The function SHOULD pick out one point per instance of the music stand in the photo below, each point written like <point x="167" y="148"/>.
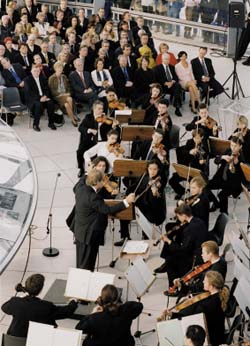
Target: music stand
<point x="141" y="279"/>
<point x="138" y="116"/>
<point x="128" y="116"/>
<point x="218" y="146"/>
<point x="126" y="214"/>
<point x="129" y="168"/>
<point x="135" y="132"/>
<point x="186" y="171"/>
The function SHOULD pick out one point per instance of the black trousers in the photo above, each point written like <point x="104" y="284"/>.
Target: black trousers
<point x="86" y="255"/>
<point x="87" y="98"/>
<point x="176" y="93"/>
<point x="37" y="109"/>
<point x="174" y="182"/>
<point x="216" y="87"/>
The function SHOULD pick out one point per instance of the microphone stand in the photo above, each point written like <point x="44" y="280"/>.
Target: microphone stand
<point x="51" y="251"/>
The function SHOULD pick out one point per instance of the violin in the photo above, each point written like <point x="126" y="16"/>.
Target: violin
<point x="191" y="200"/>
<point x="192" y="274"/>
<point x="231" y="164"/>
<point x="152" y="183"/>
<point x="172" y="230"/>
<point x="117" y="105"/>
<point x="110" y="186"/>
<point x="160" y="149"/>
<point x="210" y="123"/>
<point x="103" y="119"/>
<point x="116" y="149"/>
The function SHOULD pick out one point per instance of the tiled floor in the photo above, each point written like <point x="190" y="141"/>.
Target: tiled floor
<point x="54" y="152"/>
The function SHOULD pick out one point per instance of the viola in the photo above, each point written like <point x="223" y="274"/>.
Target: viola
<point x="116" y="148"/>
<point x="103" y="119"/>
<point x="117" y="105"/>
<point x="192" y="274"/>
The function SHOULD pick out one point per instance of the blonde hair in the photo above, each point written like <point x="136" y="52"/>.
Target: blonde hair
<point x="243" y="120"/>
<point x="58" y="64"/>
<point x="216" y="279"/>
<point x="199" y="181"/>
<point x="211" y="246"/>
<point x="94" y="177"/>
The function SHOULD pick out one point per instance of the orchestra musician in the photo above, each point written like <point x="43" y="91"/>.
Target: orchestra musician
<point x="91" y="218"/>
<point x="210" y="255"/>
<point x="111" y="149"/>
<point x="164" y="121"/>
<point x="195" y="335"/>
<point x="213" y="306"/>
<point x="193" y="154"/>
<point x="150" y="198"/>
<point x="31" y="308"/>
<point x="110" y="321"/>
<point x="244" y="133"/>
<point x="181" y="253"/>
<point x="228" y="177"/>
<point x="204" y="121"/>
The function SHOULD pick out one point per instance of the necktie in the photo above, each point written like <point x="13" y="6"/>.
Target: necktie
<point x="54" y="49"/>
<point x="125" y="72"/>
<point x="26" y="61"/>
<point x="46" y="58"/>
<point x="72" y="49"/>
<point x="168" y="74"/>
<point x="83" y="80"/>
<point x="14" y="74"/>
<point x="204" y="67"/>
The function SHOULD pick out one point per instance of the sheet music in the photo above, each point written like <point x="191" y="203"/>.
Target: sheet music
<point x="43" y="334"/>
<point x="135" y="247"/>
<point x="123" y="112"/>
<point x="143" y="222"/>
<point x="83" y="284"/>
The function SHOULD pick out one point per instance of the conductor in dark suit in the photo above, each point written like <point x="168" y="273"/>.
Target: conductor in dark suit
<point x="91" y="219"/>
<point x="13" y="75"/>
<point x="82" y="86"/>
<point x="31" y="308"/>
<point x="37" y="97"/>
<point x="165" y="75"/>
<point x="205" y="75"/>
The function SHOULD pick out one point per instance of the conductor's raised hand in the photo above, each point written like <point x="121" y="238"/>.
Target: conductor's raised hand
<point x="130" y="198"/>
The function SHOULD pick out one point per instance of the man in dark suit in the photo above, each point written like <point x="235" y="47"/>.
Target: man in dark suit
<point x="165" y="75"/>
<point x="82" y="85"/>
<point x="14" y="76"/>
<point x="48" y="59"/>
<point x="24" y="58"/>
<point x="48" y="16"/>
<point x="123" y="79"/>
<point x="140" y="26"/>
<point x="31" y="11"/>
<point x="204" y="74"/>
<point x="180" y="254"/>
<point x="37" y="96"/>
<point x="91" y="218"/>
<point x="33" y="48"/>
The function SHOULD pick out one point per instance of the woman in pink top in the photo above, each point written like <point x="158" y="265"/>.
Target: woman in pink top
<point x="186" y="79"/>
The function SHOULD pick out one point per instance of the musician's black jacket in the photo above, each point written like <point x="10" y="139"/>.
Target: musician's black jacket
<point x="34" y="309"/>
<point x="200" y="208"/>
<point x="215" y="317"/>
<point x="245" y="145"/>
<point x="207" y="132"/>
<point x="110" y="329"/>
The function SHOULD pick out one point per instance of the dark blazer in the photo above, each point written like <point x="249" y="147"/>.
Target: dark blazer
<point x="31" y="91"/>
<point x="245" y="145"/>
<point x="82" y="28"/>
<point x="76" y="83"/>
<point x="160" y="74"/>
<point x="9" y="79"/>
<point x="91" y="215"/>
<point x="200" y="208"/>
<point x="142" y="80"/>
<point x="11" y="55"/>
<point x="207" y="131"/>
<point x="34" y="309"/>
<point x="87" y="140"/>
<point x="20" y="60"/>
<point x="215" y="317"/>
<point x="198" y="70"/>
<point x="120" y="81"/>
<point x="110" y="329"/>
<point x="36" y="50"/>
<point x="51" y="57"/>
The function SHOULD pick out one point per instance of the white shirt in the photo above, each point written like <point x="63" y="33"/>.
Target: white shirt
<point x="100" y="149"/>
<point x="39" y="86"/>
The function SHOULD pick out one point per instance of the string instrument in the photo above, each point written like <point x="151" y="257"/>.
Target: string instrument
<point x="103" y="119"/>
<point x="191" y="199"/>
<point x="186" y="303"/>
<point x="174" y="229"/>
<point x="116" y="149"/>
<point x="210" y="123"/>
<point x="153" y="101"/>
<point x="110" y="186"/>
<point x="152" y="183"/>
<point x="231" y="164"/>
<point x="117" y="105"/>
<point x="200" y="152"/>
<point x="192" y="274"/>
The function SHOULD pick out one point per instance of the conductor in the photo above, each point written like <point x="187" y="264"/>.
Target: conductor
<point x="91" y="218"/>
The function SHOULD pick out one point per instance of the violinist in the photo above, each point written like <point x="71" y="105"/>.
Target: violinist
<point x="110" y="149"/>
<point x="204" y="121"/>
<point x="244" y="133"/>
<point x="184" y="251"/>
<point x="194" y="154"/>
<point x="228" y="177"/>
<point x="150" y="198"/>
<point x="210" y="255"/>
<point x="213" y="306"/>
<point x="195" y="335"/>
<point x="164" y="121"/>
<point x="111" y="102"/>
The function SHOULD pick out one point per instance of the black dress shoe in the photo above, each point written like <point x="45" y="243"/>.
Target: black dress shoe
<point x="246" y="62"/>
<point x="52" y="126"/>
<point x="120" y="242"/>
<point x="178" y="112"/>
<point x="36" y="128"/>
<point x="214" y="207"/>
<point x="161" y="269"/>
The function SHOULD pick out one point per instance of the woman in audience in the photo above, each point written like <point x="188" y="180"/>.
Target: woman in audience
<point x="143" y="78"/>
<point x="108" y="27"/>
<point x="19" y="34"/>
<point x="101" y="78"/>
<point x="59" y="87"/>
<point x="164" y="48"/>
<point x="31" y="308"/>
<point x="41" y="25"/>
<point x="110" y="322"/>
<point x="187" y="81"/>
